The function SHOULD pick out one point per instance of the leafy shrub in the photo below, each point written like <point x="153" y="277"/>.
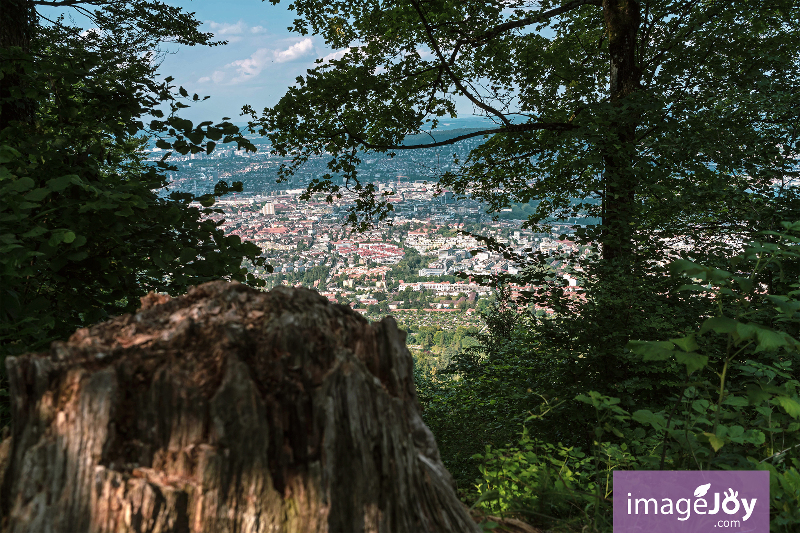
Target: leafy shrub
<point x="537" y="480"/>
<point x="738" y="406"/>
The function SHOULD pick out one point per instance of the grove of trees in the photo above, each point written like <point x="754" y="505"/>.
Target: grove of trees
<point x="86" y="224"/>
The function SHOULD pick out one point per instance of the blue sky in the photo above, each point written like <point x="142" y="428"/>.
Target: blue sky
<point x="261" y="60"/>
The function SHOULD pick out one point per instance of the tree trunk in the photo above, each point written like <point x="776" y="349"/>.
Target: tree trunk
<point x="622" y="20"/>
<point x="17" y="20"/>
<point x="225" y="410"/>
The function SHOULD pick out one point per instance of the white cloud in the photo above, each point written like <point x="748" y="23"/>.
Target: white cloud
<point x="224" y="28"/>
<point x="295" y="51"/>
<point x="335" y="55"/>
<point x="232" y="33"/>
<point x="251" y="67"/>
<point x="217" y="77"/>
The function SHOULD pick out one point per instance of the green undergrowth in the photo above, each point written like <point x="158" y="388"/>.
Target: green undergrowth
<point x="732" y="403"/>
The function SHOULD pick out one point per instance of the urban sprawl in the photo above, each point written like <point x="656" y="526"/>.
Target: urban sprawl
<point x="420" y="267"/>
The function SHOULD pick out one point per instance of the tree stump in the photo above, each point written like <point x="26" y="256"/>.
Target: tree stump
<point x="225" y="410"/>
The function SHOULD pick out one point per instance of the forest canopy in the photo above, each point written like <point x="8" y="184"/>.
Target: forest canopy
<point x="674" y="124"/>
<point x="666" y="118"/>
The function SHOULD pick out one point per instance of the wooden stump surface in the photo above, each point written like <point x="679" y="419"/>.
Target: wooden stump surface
<point x="225" y="410"/>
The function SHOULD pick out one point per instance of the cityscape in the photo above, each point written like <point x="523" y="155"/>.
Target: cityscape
<point x="420" y="266"/>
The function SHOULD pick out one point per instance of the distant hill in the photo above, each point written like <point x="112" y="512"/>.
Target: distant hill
<point x="447" y="129"/>
<point x="440" y="135"/>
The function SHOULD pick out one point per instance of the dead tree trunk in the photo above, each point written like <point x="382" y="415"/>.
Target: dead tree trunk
<point x="225" y="410"/>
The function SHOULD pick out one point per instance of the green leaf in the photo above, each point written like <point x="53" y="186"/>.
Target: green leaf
<point x="181" y="123"/>
<point x="754" y="436"/>
<point x="735" y="432"/>
<point x="736" y="401"/>
<point x="22" y="184"/>
<point x="35" y="232"/>
<point x="60" y="183"/>
<point x="757" y="395"/>
<point x="8" y="154"/>
<point x="693" y="361"/>
<point x="769" y="340"/>
<point x="719" y="324"/>
<point x="786" y="305"/>
<point x="59" y="236"/>
<point x="687" y="344"/>
<point x="789" y="405"/>
<point x="9" y="247"/>
<point x="745" y="284"/>
<point x="214" y="134"/>
<point x="586" y="399"/>
<point x="487" y="496"/>
<point x="694" y="270"/>
<point x="187" y="255"/>
<point x="715" y="441"/>
<point x="195" y="136"/>
<point x="181" y="147"/>
<point x="647" y="417"/>
<point x="37" y="195"/>
<point x="652" y="350"/>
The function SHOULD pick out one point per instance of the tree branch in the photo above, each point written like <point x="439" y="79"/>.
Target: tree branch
<point x="70" y="3"/>
<point x="446" y="65"/>
<point x="511" y="128"/>
<point x="541" y="17"/>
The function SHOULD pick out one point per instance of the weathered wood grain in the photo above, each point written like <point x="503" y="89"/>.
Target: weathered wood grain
<point x="225" y="410"/>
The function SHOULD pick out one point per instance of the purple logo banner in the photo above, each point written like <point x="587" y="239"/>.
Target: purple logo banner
<point x="735" y="501"/>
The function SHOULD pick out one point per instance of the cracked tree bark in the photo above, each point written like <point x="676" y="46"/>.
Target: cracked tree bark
<point x="225" y="410"/>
